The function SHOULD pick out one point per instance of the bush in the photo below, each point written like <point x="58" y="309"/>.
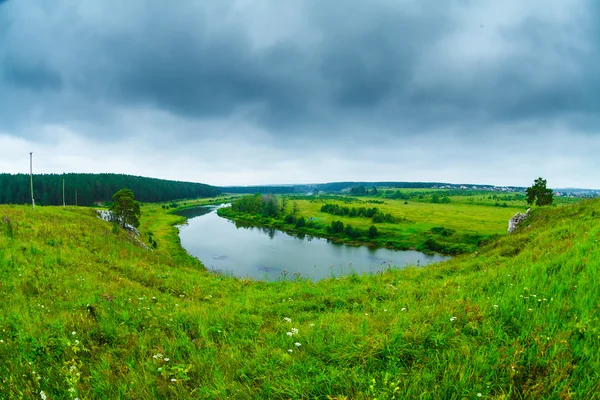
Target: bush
<point x="300" y="222"/>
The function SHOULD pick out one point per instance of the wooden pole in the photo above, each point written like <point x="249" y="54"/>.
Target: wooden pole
<point x="31" y="178"/>
<point x="63" y="192"/>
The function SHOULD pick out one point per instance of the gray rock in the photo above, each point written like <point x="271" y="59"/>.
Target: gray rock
<point x="107" y="216"/>
<point x="514" y="222"/>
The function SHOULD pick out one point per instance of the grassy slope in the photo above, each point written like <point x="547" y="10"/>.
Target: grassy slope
<point x="88" y="310"/>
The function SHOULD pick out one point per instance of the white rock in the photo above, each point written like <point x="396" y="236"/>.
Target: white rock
<point x="516" y="220"/>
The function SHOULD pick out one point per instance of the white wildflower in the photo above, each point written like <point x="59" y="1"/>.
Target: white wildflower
<point x="173" y="380"/>
<point x="286" y="319"/>
<point x="290" y="351"/>
<point x="43" y="395"/>
<point x="452" y="319"/>
<point x="166" y="359"/>
<point x="297" y="344"/>
<point x="73" y="333"/>
<point x="403" y="309"/>
<point x="289" y="333"/>
<point x="294" y="331"/>
<point x="495" y="305"/>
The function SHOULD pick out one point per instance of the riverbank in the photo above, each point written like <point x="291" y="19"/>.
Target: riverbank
<point x="248" y="251"/>
<point x="88" y="313"/>
<point x="436" y="240"/>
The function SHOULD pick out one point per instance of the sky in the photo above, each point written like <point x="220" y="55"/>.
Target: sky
<point x="245" y="92"/>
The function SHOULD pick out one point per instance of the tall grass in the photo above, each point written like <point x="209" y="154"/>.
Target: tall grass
<point x="87" y="313"/>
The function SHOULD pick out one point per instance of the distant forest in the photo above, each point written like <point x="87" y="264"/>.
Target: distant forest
<point x="90" y="188"/>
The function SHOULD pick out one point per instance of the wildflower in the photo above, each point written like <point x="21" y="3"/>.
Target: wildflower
<point x="73" y="333"/>
<point x="173" y="380"/>
<point x="385" y="310"/>
<point x="290" y="351"/>
<point x="1" y="341"/>
<point x="366" y="314"/>
<point x="312" y="324"/>
<point x="286" y="319"/>
<point x="43" y="395"/>
<point x="297" y="344"/>
<point x="452" y="319"/>
<point x="495" y="305"/>
<point x="294" y="331"/>
<point x="403" y="309"/>
<point x="479" y="395"/>
<point x="289" y="333"/>
<point x="166" y="359"/>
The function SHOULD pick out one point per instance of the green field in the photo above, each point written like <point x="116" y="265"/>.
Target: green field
<point x="88" y="313"/>
<point x="465" y="222"/>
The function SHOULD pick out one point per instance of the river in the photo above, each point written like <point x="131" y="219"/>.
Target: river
<point x="269" y="254"/>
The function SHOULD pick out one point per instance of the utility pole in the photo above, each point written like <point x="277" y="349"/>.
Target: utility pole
<point x="31" y="178"/>
<point x="63" y="192"/>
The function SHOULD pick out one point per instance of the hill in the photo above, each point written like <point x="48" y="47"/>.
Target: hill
<point x="88" y="313"/>
<point x="86" y="189"/>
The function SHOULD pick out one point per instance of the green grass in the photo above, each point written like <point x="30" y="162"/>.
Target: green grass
<point x="88" y="310"/>
<point x="472" y="222"/>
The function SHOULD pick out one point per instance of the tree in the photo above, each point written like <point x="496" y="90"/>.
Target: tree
<point x="373" y="232"/>
<point x="125" y="209"/>
<point x="539" y="194"/>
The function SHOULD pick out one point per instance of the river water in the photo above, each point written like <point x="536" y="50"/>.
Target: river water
<point x="264" y="253"/>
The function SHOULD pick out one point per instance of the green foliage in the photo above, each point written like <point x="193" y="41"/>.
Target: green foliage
<point x="88" y="315"/>
<point x="336" y="227"/>
<point x="257" y="204"/>
<point x="91" y="188"/>
<point x="125" y="209"/>
<point x="7" y="226"/>
<point x="539" y="194"/>
<point x="373" y="233"/>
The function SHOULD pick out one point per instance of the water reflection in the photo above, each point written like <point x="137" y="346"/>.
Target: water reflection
<point x="246" y="250"/>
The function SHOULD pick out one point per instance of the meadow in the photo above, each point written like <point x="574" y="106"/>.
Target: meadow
<point x="459" y="226"/>
<point x="88" y="313"/>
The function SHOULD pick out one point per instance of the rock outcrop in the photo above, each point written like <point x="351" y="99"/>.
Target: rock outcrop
<point x="516" y="220"/>
<point x="109" y="217"/>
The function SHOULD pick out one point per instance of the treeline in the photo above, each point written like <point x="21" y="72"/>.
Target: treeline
<point x="259" y="189"/>
<point x="374" y="213"/>
<point x="86" y="189"/>
<point x="262" y="204"/>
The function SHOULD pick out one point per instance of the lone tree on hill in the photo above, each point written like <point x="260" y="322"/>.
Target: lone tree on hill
<point x="125" y="209"/>
<point x="539" y="194"/>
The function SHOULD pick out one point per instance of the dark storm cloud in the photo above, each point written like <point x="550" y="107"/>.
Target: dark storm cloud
<point x="380" y="65"/>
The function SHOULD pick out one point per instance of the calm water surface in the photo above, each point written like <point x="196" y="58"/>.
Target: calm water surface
<point x="265" y="253"/>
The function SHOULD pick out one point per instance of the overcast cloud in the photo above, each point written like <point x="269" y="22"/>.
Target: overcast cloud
<point x="297" y="91"/>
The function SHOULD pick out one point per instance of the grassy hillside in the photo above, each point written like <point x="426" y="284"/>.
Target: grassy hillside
<point x="88" y="313"/>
